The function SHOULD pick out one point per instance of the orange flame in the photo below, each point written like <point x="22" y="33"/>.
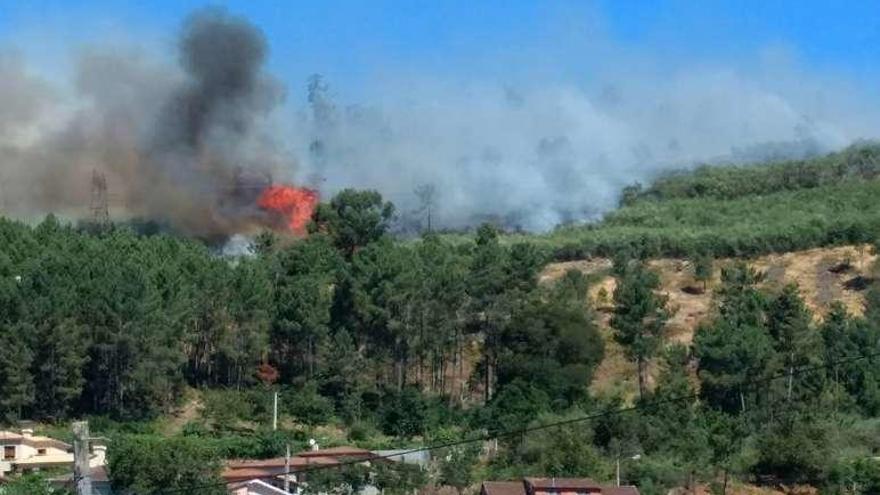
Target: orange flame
<point x="294" y="204"/>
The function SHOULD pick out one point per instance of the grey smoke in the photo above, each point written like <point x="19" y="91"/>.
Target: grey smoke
<point x="184" y="146"/>
<point x="189" y="141"/>
<point x="539" y="156"/>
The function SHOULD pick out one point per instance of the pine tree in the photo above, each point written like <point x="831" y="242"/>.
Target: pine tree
<point x="703" y="269"/>
<point x="735" y="349"/>
<point x="639" y="317"/>
<point x="488" y="305"/>
<point x="845" y="337"/>
<point x="16" y="380"/>
<point x="304" y="276"/>
<point x="343" y="379"/>
<point x="59" y="361"/>
<point x="795" y="341"/>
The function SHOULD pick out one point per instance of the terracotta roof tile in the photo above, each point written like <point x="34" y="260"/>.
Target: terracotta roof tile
<point x="250" y="473"/>
<point x="337" y="452"/>
<point x="581" y="485"/>
<point x="620" y="490"/>
<point x="295" y="461"/>
<point x="504" y="488"/>
<point x="585" y="484"/>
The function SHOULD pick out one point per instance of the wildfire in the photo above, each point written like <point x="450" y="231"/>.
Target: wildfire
<point x="294" y="204"/>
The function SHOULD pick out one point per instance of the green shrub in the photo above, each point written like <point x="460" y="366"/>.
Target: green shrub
<point x="403" y="414"/>
<point x="306" y="405"/>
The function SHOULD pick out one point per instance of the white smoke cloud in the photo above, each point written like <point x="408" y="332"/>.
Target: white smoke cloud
<point x="554" y="153"/>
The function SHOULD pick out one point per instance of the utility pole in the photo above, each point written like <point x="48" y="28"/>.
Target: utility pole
<point x="617" y="464"/>
<point x="275" y="412"/>
<point x="82" y="476"/>
<point x="617" y="470"/>
<point x="287" y="469"/>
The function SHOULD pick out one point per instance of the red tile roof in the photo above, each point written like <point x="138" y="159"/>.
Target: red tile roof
<point x="583" y="484"/>
<point x="530" y="485"/>
<point x="337" y="452"/>
<point x="503" y="488"/>
<point x="620" y="490"/>
<point x="246" y="469"/>
<point x="244" y="474"/>
<point x="278" y="462"/>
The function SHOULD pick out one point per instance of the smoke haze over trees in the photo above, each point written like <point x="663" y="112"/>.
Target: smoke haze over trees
<point x="185" y="136"/>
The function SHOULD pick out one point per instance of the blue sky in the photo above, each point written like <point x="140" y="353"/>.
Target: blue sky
<point x="349" y="40"/>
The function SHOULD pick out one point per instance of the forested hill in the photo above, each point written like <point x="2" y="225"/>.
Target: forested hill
<point x="384" y="343"/>
<point x="859" y="161"/>
<point x="737" y="210"/>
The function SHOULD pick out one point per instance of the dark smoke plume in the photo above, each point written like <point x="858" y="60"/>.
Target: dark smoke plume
<point x="184" y="148"/>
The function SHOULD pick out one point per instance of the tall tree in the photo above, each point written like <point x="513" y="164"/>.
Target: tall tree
<point x="59" y="362"/>
<point x="16" y="379"/>
<point x="304" y="276"/>
<point x="735" y="349"/>
<point x="672" y="421"/>
<point x="344" y="377"/>
<point x="353" y="219"/>
<point x="385" y="277"/>
<point x="639" y="318"/>
<point x="846" y="338"/>
<point x="795" y="341"/>
<point x="488" y="305"/>
<point x="440" y="299"/>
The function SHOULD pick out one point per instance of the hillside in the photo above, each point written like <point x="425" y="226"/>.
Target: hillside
<point x="384" y="343"/>
<point x="803" y="222"/>
<point x="823" y="276"/>
<point x="742" y="210"/>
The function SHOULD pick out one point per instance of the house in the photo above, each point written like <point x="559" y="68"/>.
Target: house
<point x="255" y="487"/>
<point x="554" y="486"/>
<point x="27" y="452"/>
<point x="268" y="469"/>
<point x="271" y="471"/>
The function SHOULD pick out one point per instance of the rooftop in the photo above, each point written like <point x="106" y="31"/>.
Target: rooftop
<point x="27" y="438"/>
<point x="584" y="484"/>
<point x="246" y="469"/>
<point x="530" y="485"/>
<point x="337" y="452"/>
<point x="504" y="488"/>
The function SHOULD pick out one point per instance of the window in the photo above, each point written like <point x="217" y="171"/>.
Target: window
<point x="41" y="451"/>
<point x="9" y="452"/>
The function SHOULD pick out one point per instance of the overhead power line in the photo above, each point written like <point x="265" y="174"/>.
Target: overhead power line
<point x="544" y="426"/>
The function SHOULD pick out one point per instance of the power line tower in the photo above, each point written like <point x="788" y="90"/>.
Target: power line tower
<point x="99" y="206"/>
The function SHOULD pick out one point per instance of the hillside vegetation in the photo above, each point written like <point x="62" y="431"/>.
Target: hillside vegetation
<point x="824" y="277"/>
<point x="730" y="211"/>
<point x="760" y="371"/>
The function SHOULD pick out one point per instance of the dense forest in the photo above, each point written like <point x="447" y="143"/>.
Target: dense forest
<point x="406" y="343"/>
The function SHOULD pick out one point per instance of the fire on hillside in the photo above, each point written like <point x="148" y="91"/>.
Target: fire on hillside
<point x="290" y="206"/>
